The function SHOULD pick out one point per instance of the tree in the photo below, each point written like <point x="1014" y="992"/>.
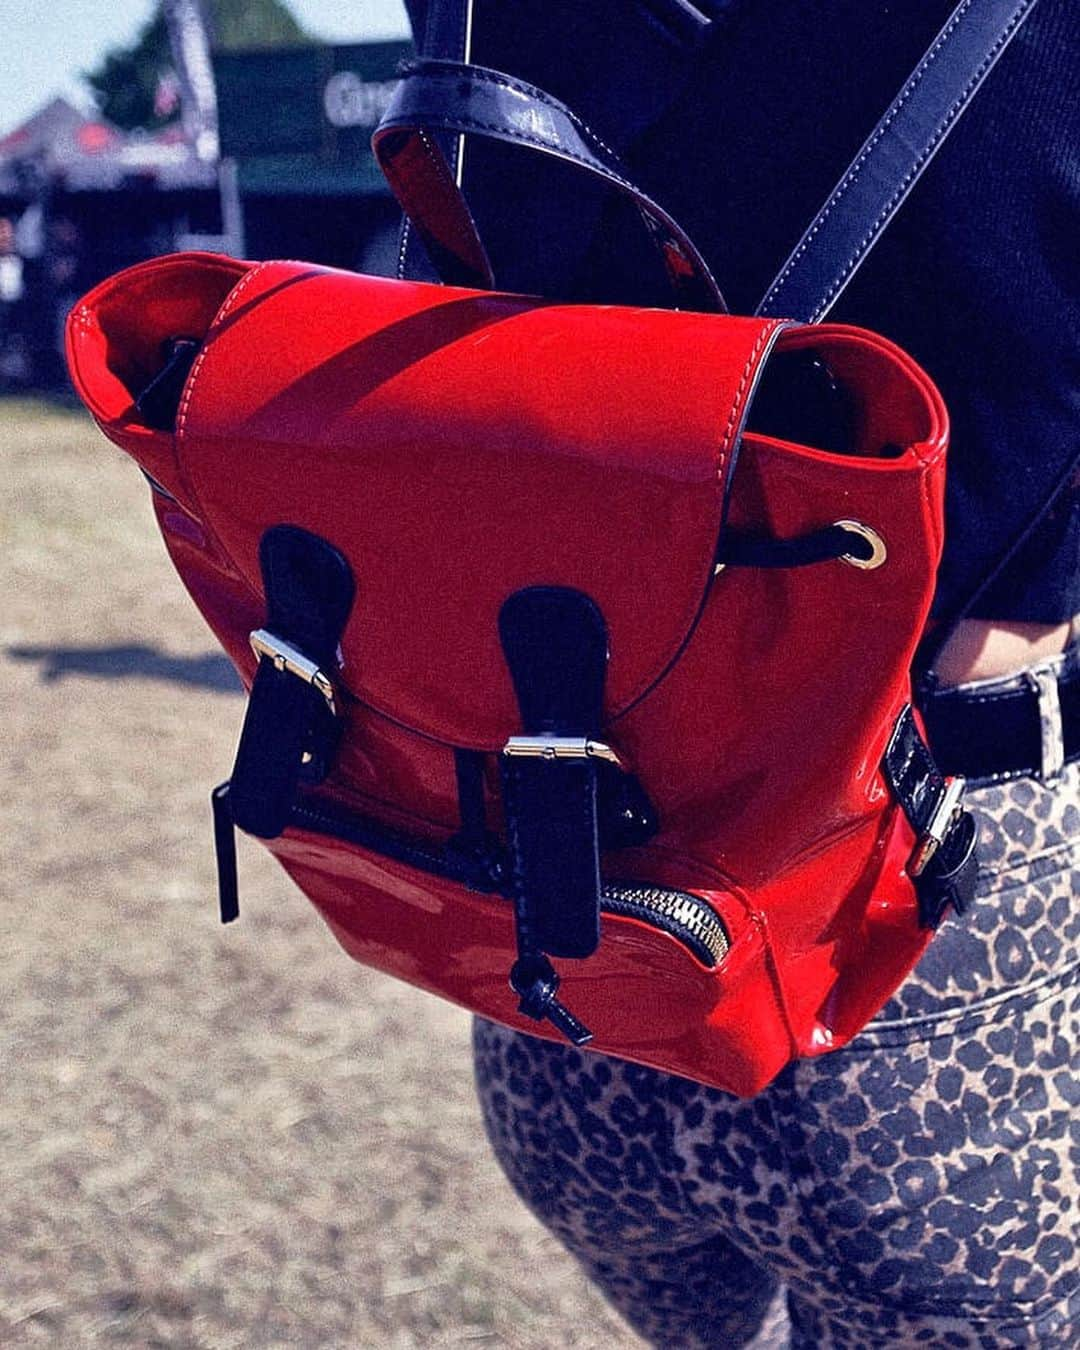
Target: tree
<point x="255" y="23"/>
<point x="133" y="86"/>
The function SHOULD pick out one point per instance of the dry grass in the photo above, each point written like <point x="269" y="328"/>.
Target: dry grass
<point x="208" y="1137"/>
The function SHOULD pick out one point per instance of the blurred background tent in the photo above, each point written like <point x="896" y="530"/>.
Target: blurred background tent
<point x="138" y="87"/>
<point x="223" y="124"/>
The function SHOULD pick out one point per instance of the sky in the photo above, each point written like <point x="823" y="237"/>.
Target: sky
<point x="46" y="43"/>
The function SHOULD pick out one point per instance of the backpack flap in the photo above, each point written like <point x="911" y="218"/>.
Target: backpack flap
<point x="460" y="447"/>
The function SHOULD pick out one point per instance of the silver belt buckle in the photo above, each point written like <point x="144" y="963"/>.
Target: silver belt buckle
<point x="938" y="826"/>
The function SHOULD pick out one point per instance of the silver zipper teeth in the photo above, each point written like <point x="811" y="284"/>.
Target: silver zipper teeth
<point x="679" y="908"/>
<point x="688" y="911"/>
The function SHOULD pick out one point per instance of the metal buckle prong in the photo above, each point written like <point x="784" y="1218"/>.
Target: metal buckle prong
<point x="284" y="656"/>
<point x="560" y="747"/>
<point x="933" y="836"/>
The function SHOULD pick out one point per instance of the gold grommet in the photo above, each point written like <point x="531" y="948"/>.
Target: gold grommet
<point x="878" y="552"/>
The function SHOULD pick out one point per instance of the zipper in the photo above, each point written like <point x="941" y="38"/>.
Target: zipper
<point x="680" y="914"/>
<point x="685" y="916"/>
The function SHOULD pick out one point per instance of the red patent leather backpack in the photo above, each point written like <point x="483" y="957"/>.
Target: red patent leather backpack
<point x="578" y="646"/>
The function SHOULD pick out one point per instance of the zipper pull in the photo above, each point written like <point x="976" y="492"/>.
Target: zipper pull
<point x="534" y="980"/>
<point x="225" y="853"/>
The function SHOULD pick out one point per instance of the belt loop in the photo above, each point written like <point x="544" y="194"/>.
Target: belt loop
<point x="1043" y="680"/>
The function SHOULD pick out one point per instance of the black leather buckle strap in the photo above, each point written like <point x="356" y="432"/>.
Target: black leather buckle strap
<point x="995" y="730"/>
<point x="555" y="643"/>
<point x="290" y="729"/>
<point x="291" y="726"/>
<point x="943" y="866"/>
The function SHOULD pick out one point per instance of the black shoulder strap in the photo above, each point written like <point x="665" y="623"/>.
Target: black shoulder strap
<point x="440" y="96"/>
<point x="888" y="166"/>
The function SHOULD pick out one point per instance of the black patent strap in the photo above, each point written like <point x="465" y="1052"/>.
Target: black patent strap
<point x="450" y="96"/>
<point x="881" y="175"/>
<point x="447" y="36"/>
<point x="225" y="854"/>
<point x="949" y="877"/>
<point x="448" y="30"/>
<point x="290" y="731"/>
<point x="555" y="642"/>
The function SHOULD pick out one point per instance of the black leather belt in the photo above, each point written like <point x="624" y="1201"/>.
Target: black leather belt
<point x="1019" y="727"/>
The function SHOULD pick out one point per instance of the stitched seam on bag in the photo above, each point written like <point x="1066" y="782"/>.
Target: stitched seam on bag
<point x="642" y="202"/>
<point x="406" y="230"/>
<point x="523" y="926"/>
<point x="403" y="247"/>
<point x="591" y="139"/>
<point x="525" y="139"/>
<point x="463" y="27"/>
<point x="546" y="145"/>
<point x="204" y="520"/>
<point x="935" y="514"/>
<point x="493" y="77"/>
<point x="856" y="169"/>
<point x="529" y="91"/>
<point x="443" y="171"/>
<point x="645" y="205"/>
<point x="736" y="403"/>
<point x="234" y="295"/>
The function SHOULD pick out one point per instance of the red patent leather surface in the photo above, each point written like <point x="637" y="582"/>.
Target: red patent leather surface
<point x="457" y="446"/>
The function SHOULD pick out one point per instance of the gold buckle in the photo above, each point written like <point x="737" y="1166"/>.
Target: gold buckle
<point x="932" y="838"/>
<point x="560" y="747"/>
<point x="284" y="656"/>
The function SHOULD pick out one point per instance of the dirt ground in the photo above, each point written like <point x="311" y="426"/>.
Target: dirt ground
<point x="208" y="1137"/>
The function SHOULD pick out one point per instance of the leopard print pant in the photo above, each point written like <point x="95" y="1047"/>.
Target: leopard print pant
<point x="920" y="1187"/>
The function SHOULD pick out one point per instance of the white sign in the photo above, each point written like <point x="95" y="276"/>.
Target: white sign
<point x="349" y="101"/>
